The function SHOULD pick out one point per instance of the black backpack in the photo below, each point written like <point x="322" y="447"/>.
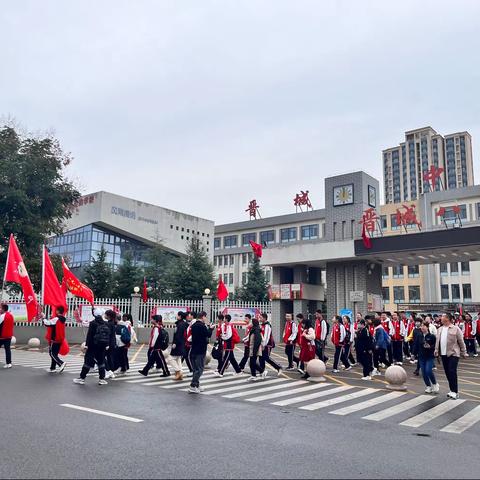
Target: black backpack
<point x="102" y="335"/>
<point x="164" y="339"/>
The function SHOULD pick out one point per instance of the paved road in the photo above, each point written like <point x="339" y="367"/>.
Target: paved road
<point x="222" y="434"/>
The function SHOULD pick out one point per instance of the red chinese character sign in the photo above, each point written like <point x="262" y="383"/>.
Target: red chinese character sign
<point x="301" y="200"/>
<point x="370" y="220"/>
<point x="432" y="175"/>
<point x="450" y="215"/>
<point x="407" y="217"/>
<point x="253" y="209"/>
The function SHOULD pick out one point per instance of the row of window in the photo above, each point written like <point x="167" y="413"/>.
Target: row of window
<point x="398" y="271"/>
<point x="454" y="270"/>
<point x="226" y="260"/>
<point x="451" y="293"/>
<point x="399" y="294"/>
<point x="307" y="232"/>
<point x="183" y="229"/>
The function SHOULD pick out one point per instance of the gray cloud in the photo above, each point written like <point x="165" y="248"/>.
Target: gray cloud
<point x="201" y="106"/>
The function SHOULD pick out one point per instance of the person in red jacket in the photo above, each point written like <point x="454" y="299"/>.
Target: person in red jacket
<point x="289" y="339"/>
<point x="230" y="338"/>
<point x="398" y="337"/>
<point x="55" y="337"/>
<point x="6" y="333"/>
<point x="338" y="338"/>
<point x="469" y="333"/>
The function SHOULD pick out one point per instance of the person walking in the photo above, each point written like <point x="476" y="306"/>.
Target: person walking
<point x="230" y="338"/>
<point x="96" y="344"/>
<point x="267" y="345"/>
<point x="397" y="339"/>
<point x="201" y="334"/>
<point x="348" y="342"/>
<point x="416" y="337"/>
<point x="450" y="346"/>
<point x="469" y="333"/>
<point x="178" y="351"/>
<point x="337" y="338"/>
<point x="55" y="336"/>
<point x="307" y="344"/>
<point x="128" y="319"/>
<point x="218" y="340"/>
<point x="110" y="359"/>
<point x="426" y="359"/>
<point x="255" y="350"/>
<point x="246" y="344"/>
<point x="386" y="318"/>
<point x="382" y="340"/>
<point x="190" y="319"/>
<point x="158" y="343"/>
<point x="364" y="349"/>
<point x="289" y="339"/>
<point x="6" y="333"/>
<point x="321" y="332"/>
<point x="123" y="337"/>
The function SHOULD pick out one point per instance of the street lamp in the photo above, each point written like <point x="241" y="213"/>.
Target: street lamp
<point x="136" y="289"/>
<point x="207" y="291"/>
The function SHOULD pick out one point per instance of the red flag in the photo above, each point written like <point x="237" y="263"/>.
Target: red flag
<point x="367" y="241"/>
<point x="257" y="248"/>
<point x="53" y="294"/>
<point x="72" y="284"/>
<point x="222" y="292"/>
<point x="15" y="271"/>
<point x="145" y="291"/>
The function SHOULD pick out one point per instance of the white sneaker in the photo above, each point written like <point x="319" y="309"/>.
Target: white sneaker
<point x="428" y="390"/>
<point x="376" y="373"/>
<point x="264" y="374"/>
<point x="435" y="388"/>
<point x="109" y="374"/>
<point x="79" y="381"/>
<point x="279" y="373"/>
<point x="189" y="374"/>
<point x="368" y="377"/>
<point x="50" y="371"/>
<point x="252" y="379"/>
<point x="399" y="363"/>
<point x="335" y="371"/>
<point x="348" y="368"/>
<point x="102" y="382"/>
<point x="475" y="354"/>
<point x="237" y="374"/>
<point x="299" y="370"/>
<point x="453" y="395"/>
<point x="193" y="390"/>
<point x="215" y="374"/>
<point x="290" y="369"/>
<point x="62" y="368"/>
<point x="353" y="365"/>
<point x="8" y="365"/>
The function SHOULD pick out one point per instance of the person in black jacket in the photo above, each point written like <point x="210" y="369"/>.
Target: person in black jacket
<point x="255" y="350"/>
<point x="426" y="358"/>
<point x="110" y="354"/>
<point x="201" y="334"/>
<point x="364" y="349"/>
<point x="96" y="344"/>
<point x="417" y="343"/>
<point x="178" y="346"/>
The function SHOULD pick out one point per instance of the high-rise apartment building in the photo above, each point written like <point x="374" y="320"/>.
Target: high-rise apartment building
<point x="404" y="166"/>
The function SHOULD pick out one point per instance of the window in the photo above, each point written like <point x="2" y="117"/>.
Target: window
<point x="309" y="232"/>
<point x="465" y="268"/>
<point x="230" y="241"/>
<point x="383" y="222"/>
<point x="216" y="243"/>
<point x="214" y="261"/>
<point x="413" y="271"/>
<point x="444" y="293"/>
<point x="250" y="257"/>
<point x="398" y="271"/>
<point x="225" y="278"/>
<point x="288" y="234"/>
<point x="414" y="294"/>
<point x="454" y="268"/>
<point x="267" y="237"/>
<point x="467" y="292"/>
<point x="386" y="294"/>
<point x="232" y="259"/>
<point x="451" y="215"/>
<point x="334" y="231"/>
<point x="268" y="276"/>
<point x="225" y="260"/>
<point x="220" y="261"/>
<point x="393" y="221"/>
<point x="244" y="258"/>
<point x="444" y="269"/>
<point x="343" y="230"/>
<point x="246" y="237"/>
<point x="230" y="279"/>
<point x="244" y="278"/>
<point x="385" y="272"/>
<point x="455" y="292"/>
<point x="399" y="294"/>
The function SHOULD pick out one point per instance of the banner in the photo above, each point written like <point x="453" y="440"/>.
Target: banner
<point x="83" y="313"/>
<point x="169" y="313"/>
<point x="238" y="314"/>
<point x="274" y="292"/>
<point x="19" y="311"/>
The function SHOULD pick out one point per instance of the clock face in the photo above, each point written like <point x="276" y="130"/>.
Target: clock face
<point x="343" y="195"/>
<point x="372" y="196"/>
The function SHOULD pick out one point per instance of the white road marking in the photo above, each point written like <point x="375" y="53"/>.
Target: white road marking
<point x="368" y="403"/>
<point x="341" y="399"/>
<point x="401" y="407"/>
<point x="264" y="389"/>
<point x="212" y="379"/>
<point x="463" y="423"/>
<point x="431" y="413"/>
<point x="269" y="396"/>
<point x="241" y="387"/>
<point x="224" y="383"/>
<point x="311" y="396"/>
<point x="100" y="412"/>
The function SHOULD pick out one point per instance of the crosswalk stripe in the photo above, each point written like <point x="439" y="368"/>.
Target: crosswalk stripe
<point x="464" y="422"/>
<point x="234" y="382"/>
<point x="176" y="383"/>
<point x="401" y="407"/>
<point x="341" y="399"/>
<point x="211" y="380"/>
<point x="368" y="403"/>
<point x="431" y="413"/>
<point x="241" y="387"/>
<point x="285" y="393"/>
<point x="311" y="396"/>
<point x="264" y="389"/>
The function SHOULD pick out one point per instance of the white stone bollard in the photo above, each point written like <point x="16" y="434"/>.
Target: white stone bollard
<point x="34" y="344"/>
<point x="396" y="376"/>
<point x="208" y="358"/>
<point x="83" y="347"/>
<point x="13" y="342"/>
<point x="316" y="369"/>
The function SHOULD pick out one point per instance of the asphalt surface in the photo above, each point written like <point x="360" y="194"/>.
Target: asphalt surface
<point x="195" y="436"/>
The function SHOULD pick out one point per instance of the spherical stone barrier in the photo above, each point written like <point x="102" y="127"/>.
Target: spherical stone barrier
<point x="208" y="358"/>
<point x="316" y="369"/>
<point x="396" y="376"/>
<point x="33" y="343"/>
<point x="13" y="342"/>
<point x="83" y="347"/>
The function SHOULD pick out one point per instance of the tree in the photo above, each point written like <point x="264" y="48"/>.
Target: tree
<point x="192" y="274"/>
<point x="256" y="288"/>
<point x="99" y="275"/>
<point x="35" y="196"/>
<point x="127" y="276"/>
<point x="157" y="271"/>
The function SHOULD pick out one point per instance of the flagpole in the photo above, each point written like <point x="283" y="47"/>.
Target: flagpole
<point x="5" y="272"/>
<point x="43" y="275"/>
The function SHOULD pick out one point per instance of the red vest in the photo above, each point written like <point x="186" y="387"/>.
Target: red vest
<point x="318" y="329"/>
<point x="247" y="335"/>
<point x="299" y="333"/>
<point x="467" y="331"/>
<point x="396" y="336"/>
<point x="287" y="331"/>
<point x="371" y="330"/>
<point x="6" y="328"/>
<point x="59" y="329"/>
<point x="386" y="326"/>
<point x="336" y="334"/>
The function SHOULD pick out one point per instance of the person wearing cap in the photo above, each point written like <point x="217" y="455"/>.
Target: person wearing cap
<point x="96" y="344"/>
<point x="155" y="353"/>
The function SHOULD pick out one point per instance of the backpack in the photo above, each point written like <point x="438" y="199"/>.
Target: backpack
<point x="216" y="351"/>
<point x="164" y="339"/>
<point x="348" y="336"/>
<point x="125" y="335"/>
<point x="102" y="335"/>
<point x="235" y="336"/>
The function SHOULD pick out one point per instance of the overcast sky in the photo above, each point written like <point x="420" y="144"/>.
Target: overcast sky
<point x="202" y="105"/>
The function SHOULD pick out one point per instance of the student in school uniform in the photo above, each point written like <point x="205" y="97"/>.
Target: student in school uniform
<point x="397" y="339"/>
<point x="469" y="333"/>
<point x="267" y="345"/>
<point x="155" y="353"/>
<point x="6" y="333"/>
<point x="307" y="344"/>
<point x="230" y="338"/>
<point x="338" y="338"/>
<point x="255" y="350"/>
<point x="364" y="349"/>
<point x="290" y="339"/>
<point x="246" y="342"/>
<point x="55" y="336"/>
<point x="321" y="332"/>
